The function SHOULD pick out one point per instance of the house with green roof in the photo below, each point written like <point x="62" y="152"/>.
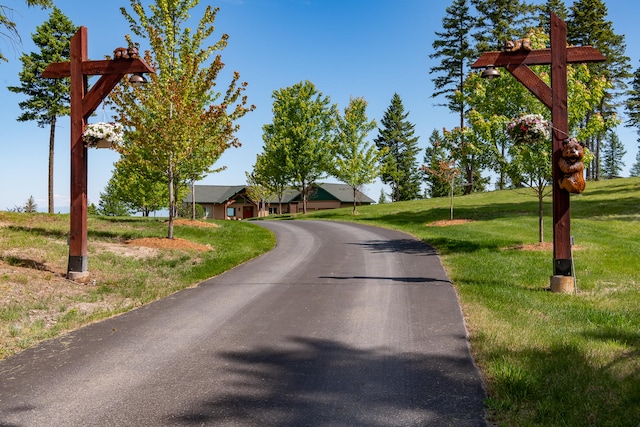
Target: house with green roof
<point x="233" y="202"/>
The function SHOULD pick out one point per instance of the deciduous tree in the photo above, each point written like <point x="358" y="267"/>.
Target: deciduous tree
<point x="179" y="124"/>
<point x="8" y="26"/>
<point x="304" y="123"/>
<point x="47" y="99"/>
<point x="356" y="161"/>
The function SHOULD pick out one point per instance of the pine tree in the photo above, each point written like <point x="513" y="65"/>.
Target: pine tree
<point x="454" y="50"/>
<point x="587" y="25"/>
<point x="434" y="155"/>
<point x="557" y="7"/>
<point x="635" y="169"/>
<point x="612" y="153"/>
<point x="632" y="107"/>
<point x="501" y="20"/>
<point x="399" y="164"/>
<point x="47" y="99"/>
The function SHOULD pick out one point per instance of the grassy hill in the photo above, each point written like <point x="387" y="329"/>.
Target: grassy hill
<point x="548" y="359"/>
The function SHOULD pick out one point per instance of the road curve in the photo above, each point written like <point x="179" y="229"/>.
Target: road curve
<point x="339" y="325"/>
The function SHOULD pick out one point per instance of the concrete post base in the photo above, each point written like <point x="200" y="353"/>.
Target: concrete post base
<point x="562" y="284"/>
<point x="79" y="276"/>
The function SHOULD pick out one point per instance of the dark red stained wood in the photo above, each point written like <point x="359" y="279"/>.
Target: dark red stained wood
<point x="560" y="120"/>
<point x="98" y="92"/>
<point x="531" y="81"/>
<point x="93" y="68"/>
<point x="83" y="104"/>
<point x="78" y="220"/>
<point x="578" y="54"/>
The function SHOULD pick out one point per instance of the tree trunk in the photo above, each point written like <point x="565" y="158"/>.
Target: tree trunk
<point x="171" y="203"/>
<point x="193" y="200"/>
<point x="52" y="137"/>
<point x="453" y="179"/>
<point x="304" y="198"/>
<point x="540" y="215"/>
<point x="355" y="207"/>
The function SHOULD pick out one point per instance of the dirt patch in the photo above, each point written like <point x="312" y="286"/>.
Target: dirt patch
<point x="192" y="223"/>
<point x="544" y="246"/>
<point x="164" y="243"/>
<point x="448" y="222"/>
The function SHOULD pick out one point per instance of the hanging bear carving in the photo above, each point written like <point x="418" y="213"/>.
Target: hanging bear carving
<point x="572" y="166"/>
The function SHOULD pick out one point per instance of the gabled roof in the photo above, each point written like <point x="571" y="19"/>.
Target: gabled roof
<point x="344" y="193"/>
<point x="214" y="193"/>
<point x="219" y="194"/>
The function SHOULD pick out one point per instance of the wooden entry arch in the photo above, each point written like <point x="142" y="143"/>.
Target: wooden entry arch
<point x="83" y="103"/>
<point x="555" y="98"/>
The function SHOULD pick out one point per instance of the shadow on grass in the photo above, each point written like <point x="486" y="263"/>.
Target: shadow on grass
<point x="314" y="382"/>
<point x="38" y="231"/>
<point x="562" y="386"/>
<point x="25" y="263"/>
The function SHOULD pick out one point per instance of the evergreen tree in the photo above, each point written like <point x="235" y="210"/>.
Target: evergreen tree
<point x="612" y="153"/>
<point x="47" y="98"/>
<point x="110" y="203"/>
<point x="434" y="155"/>
<point x="30" y="206"/>
<point x="587" y="25"/>
<point x="399" y="164"/>
<point x="454" y="50"/>
<point x="501" y="20"/>
<point x="632" y="106"/>
<point x="383" y="197"/>
<point x="556" y="6"/>
<point x="635" y="169"/>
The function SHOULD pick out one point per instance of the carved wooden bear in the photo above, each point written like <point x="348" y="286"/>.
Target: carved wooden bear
<point x="132" y="52"/>
<point x="515" y="45"/>
<point x="120" y="53"/>
<point x="572" y="166"/>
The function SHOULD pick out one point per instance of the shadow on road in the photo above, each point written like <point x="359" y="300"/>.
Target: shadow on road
<point x="313" y="382"/>
<point x="407" y="246"/>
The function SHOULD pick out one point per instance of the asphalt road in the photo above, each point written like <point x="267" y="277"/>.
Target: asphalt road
<point x="339" y="325"/>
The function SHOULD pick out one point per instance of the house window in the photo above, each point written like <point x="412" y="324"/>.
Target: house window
<point x="231" y="211"/>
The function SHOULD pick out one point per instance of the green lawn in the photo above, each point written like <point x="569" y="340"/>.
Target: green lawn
<point x="548" y="359"/>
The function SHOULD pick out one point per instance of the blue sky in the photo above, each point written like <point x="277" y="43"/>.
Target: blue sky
<point x="367" y="48"/>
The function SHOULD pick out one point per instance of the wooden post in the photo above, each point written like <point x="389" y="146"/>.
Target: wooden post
<point x="555" y="98"/>
<point x="83" y="103"/>
<point x="560" y="119"/>
<point x="77" y="265"/>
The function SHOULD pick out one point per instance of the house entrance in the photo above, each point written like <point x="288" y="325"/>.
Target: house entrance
<point x="247" y="212"/>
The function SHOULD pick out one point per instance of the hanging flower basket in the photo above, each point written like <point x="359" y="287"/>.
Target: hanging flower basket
<point x="529" y="129"/>
<point x="102" y="135"/>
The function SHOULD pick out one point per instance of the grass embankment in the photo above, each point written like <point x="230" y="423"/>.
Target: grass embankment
<point x="129" y="262"/>
<point x="548" y="359"/>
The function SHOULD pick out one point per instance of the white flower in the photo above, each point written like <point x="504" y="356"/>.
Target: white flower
<point x="95" y="132"/>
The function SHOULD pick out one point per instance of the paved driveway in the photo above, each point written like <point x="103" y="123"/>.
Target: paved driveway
<point x="339" y="325"/>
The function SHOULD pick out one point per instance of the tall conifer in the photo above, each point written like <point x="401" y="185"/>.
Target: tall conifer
<point x="47" y="99"/>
